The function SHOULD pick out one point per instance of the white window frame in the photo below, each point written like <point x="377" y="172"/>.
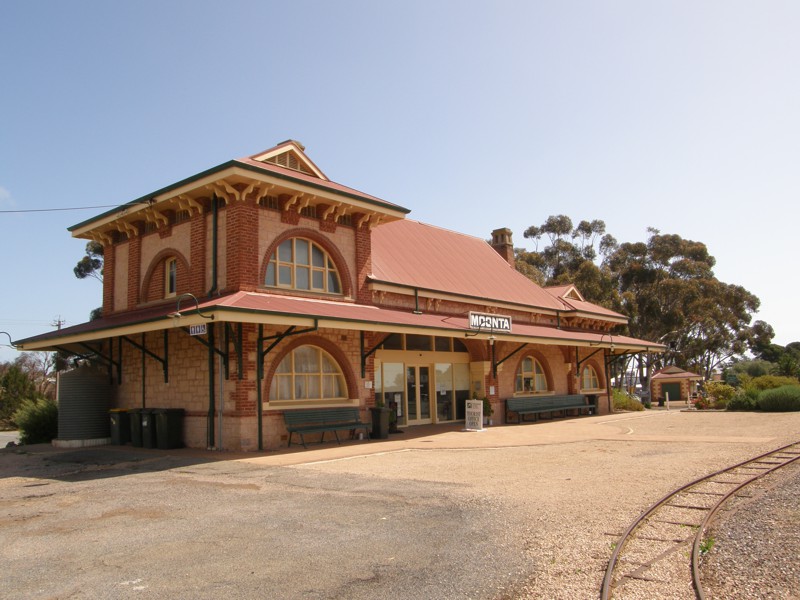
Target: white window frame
<point x="594" y="378"/>
<point x="538" y="377"/>
<point x="276" y="264"/>
<point x="170" y="277"/>
<point x="293" y="373"/>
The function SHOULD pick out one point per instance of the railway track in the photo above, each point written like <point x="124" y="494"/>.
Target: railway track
<point x="664" y="545"/>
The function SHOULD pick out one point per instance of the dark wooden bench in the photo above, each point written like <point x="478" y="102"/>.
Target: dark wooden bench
<point x="538" y="405"/>
<point x="321" y="420"/>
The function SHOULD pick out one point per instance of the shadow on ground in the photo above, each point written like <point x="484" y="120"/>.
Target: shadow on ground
<point x="43" y="461"/>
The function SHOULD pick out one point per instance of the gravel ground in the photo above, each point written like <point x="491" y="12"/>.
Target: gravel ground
<point x="757" y="543"/>
<point x="515" y="513"/>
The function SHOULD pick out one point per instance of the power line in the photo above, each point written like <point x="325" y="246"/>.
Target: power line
<point x="35" y="210"/>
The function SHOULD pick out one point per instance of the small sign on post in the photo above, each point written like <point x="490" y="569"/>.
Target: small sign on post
<point x="197" y="329"/>
<point x="474" y="416"/>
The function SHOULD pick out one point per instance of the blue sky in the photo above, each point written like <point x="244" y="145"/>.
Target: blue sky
<point x="475" y="115"/>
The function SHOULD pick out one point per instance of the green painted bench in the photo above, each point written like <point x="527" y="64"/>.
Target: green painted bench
<point x="538" y="405"/>
<point x="322" y="420"/>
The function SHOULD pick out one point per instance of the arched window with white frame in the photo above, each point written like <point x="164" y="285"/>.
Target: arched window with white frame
<point x="300" y="264"/>
<point x="531" y="377"/>
<point x="589" y="379"/>
<point x="308" y="374"/>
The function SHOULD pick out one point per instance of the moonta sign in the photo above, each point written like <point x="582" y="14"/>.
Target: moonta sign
<point x="491" y="322"/>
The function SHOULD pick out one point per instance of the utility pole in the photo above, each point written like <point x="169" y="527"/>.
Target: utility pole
<point x="58" y="323"/>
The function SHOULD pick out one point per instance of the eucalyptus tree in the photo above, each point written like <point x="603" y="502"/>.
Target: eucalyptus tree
<point x="670" y="294"/>
<point x="665" y="285"/>
<point x="91" y="264"/>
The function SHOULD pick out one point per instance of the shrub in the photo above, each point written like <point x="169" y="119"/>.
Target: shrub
<point x="782" y="399"/>
<point x="37" y="421"/>
<point x="745" y="399"/>
<point x="488" y="411"/>
<point x="769" y="382"/>
<point x="623" y="401"/>
<point x="718" y="394"/>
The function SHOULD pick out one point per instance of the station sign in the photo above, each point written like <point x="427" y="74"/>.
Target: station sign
<point x="483" y="321"/>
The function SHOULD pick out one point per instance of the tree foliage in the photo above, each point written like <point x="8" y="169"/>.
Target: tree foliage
<point x="664" y="285"/>
<point x="15" y="387"/>
<point x="91" y="264"/>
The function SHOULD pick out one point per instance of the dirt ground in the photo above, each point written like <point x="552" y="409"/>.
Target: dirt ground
<point x="528" y="511"/>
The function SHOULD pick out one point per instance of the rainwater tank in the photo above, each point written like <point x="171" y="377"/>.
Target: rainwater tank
<point x="84" y="397"/>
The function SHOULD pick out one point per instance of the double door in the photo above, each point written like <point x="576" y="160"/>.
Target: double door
<point x="418" y="395"/>
<point x="423" y="392"/>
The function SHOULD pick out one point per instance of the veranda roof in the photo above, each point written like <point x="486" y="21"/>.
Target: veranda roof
<point x="278" y="310"/>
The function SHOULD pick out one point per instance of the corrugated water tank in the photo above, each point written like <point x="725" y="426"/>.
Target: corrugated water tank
<point x="84" y="397"/>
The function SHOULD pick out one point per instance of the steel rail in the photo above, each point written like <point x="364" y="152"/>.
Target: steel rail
<point x="698" y="586"/>
<point x="605" y="593"/>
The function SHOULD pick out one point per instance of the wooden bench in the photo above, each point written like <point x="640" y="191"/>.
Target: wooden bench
<point x="537" y="405"/>
<point x="321" y="420"/>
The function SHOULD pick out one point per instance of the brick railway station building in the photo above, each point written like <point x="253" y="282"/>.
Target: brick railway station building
<point x="260" y="286"/>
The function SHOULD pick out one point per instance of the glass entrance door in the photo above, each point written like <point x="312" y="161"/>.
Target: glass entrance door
<point x="418" y="388"/>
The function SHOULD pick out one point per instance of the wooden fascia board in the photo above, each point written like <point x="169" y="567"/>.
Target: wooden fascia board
<point x="321" y="192"/>
<point x="218" y="174"/>
<point x="142" y="204"/>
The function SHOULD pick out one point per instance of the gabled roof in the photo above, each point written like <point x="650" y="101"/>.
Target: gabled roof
<point x="290" y="154"/>
<point x="420" y="256"/>
<point x="674" y="372"/>
<point x="565" y="292"/>
<point x="574" y="301"/>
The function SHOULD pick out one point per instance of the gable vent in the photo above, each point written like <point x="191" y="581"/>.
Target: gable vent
<point x="289" y="160"/>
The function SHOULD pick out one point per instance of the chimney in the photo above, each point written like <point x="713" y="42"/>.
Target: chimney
<point x="501" y="242"/>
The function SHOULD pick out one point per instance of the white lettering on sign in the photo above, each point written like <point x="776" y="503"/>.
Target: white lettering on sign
<point x="474" y="415"/>
<point x="197" y="329"/>
<point x="486" y="321"/>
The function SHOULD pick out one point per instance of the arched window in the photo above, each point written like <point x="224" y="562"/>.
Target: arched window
<point x="308" y="373"/>
<point x="531" y="376"/>
<point x="171" y="277"/>
<point x="589" y="380"/>
<point x="300" y="264"/>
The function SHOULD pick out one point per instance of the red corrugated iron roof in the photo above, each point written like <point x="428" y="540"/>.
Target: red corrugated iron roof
<point x="417" y="255"/>
<point x="346" y="315"/>
<point x="675" y="373"/>
<point x="363" y="314"/>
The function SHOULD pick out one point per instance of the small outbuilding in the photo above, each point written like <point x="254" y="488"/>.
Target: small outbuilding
<point x="679" y="384"/>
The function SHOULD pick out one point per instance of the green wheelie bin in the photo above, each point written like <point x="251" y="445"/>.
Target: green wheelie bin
<point x="148" y="427"/>
<point x="169" y="427"/>
<point x="120" y="426"/>
<point x="135" y="418"/>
